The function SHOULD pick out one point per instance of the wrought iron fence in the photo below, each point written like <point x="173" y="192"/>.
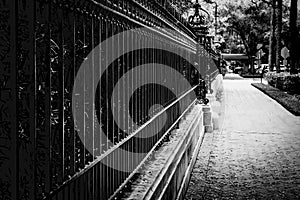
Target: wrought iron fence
<point x="44" y="44"/>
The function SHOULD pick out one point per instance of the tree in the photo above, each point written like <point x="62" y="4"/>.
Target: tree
<point x="182" y="6"/>
<point x="293" y="35"/>
<point x="278" y="30"/>
<point x="272" y="40"/>
<point x="249" y="19"/>
<point x="255" y="23"/>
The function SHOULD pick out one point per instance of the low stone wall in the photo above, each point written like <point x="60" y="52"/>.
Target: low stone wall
<point x="167" y="175"/>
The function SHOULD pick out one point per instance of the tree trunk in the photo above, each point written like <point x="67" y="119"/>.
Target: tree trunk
<point x="293" y="39"/>
<point x="248" y="51"/>
<point x="272" y="40"/>
<point x="278" y="33"/>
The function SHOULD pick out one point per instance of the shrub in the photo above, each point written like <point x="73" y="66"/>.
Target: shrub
<point x="284" y="81"/>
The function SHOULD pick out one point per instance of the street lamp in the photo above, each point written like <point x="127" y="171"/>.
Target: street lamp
<point x="216" y="13"/>
<point x="216" y="17"/>
<point x="198" y="21"/>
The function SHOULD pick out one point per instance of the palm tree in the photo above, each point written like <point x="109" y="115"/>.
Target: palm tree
<point x="293" y="32"/>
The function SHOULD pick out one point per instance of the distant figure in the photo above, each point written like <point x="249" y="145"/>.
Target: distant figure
<point x="218" y="100"/>
<point x="217" y="86"/>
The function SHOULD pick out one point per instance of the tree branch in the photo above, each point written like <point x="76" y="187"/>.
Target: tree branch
<point x="255" y="3"/>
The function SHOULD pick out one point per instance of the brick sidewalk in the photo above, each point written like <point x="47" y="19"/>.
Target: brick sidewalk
<point x="255" y="156"/>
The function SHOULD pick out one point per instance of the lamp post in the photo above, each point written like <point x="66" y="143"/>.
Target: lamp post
<point x="198" y="22"/>
<point x="216" y="13"/>
<point x="216" y="17"/>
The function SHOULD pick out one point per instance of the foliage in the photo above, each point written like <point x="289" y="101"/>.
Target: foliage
<point x="284" y="81"/>
<point x="243" y="24"/>
<point x="182" y="6"/>
<point x="248" y="20"/>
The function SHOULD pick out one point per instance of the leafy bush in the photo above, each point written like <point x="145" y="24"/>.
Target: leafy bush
<point x="284" y="81"/>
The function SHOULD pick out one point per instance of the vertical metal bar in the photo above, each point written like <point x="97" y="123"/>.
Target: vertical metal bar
<point x="153" y="60"/>
<point x="147" y="95"/>
<point x="61" y="106"/>
<point x="92" y="118"/>
<point x="107" y="175"/>
<point x="96" y="107"/>
<point x="8" y="95"/>
<point x="103" y="182"/>
<point x="55" y="95"/>
<point x="127" y="43"/>
<point x="83" y="109"/>
<point x="137" y="99"/>
<point x="133" y="98"/>
<point x="81" y="187"/>
<point x="97" y="42"/>
<point x="76" y="190"/>
<point x="136" y="56"/>
<point x="79" y="57"/>
<point x="106" y="85"/>
<point x="76" y="68"/>
<point x="125" y="87"/>
<point x="9" y="175"/>
<point x="72" y="57"/>
<point x="114" y="101"/>
<point x="142" y="91"/>
<point x="130" y="83"/>
<point x="138" y="78"/>
<point x="67" y="38"/>
<point x="177" y="64"/>
<point x="48" y="102"/>
<point x="71" y="191"/>
<point x="26" y="77"/>
<point x="87" y="95"/>
<point x="97" y="178"/>
<point x="92" y="44"/>
<point x="119" y="68"/>
<point x="101" y="87"/>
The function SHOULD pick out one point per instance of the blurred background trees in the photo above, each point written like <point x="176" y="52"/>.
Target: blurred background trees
<point x="243" y="24"/>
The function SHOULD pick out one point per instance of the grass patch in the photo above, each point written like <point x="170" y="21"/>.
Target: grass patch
<point x="289" y="102"/>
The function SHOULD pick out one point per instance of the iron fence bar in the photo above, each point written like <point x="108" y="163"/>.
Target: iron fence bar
<point x="83" y="152"/>
<point x="101" y="149"/>
<point x="77" y="61"/>
<point x="151" y="151"/>
<point x="26" y="101"/>
<point x="183" y="26"/>
<point x="176" y="21"/>
<point x="57" y="49"/>
<point x="62" y="92"/>
<point x="93" y="37"/>
<point x="8" y="104"/>
<point x="106" y="85"/>
<point x="105" y="155"/>
<point x="143" y="25"/>
<point x="69" y="76"/>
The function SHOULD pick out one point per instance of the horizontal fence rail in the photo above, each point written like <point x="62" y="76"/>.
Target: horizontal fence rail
<point x="53" y="155"/>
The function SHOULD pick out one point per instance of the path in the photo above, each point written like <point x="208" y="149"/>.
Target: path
<point x="255" y="156"/>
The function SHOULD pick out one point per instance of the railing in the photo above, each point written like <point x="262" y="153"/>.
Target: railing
<point x="209" y="59"/>
<point x="46" y="44"/>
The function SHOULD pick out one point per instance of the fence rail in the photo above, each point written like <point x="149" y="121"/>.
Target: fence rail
<point x="42" y="155"/>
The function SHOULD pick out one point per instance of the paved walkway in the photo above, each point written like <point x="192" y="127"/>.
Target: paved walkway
<point x="256" y="155"/>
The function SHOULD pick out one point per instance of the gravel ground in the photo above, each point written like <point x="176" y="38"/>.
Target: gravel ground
<point x="256" y="155"/>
